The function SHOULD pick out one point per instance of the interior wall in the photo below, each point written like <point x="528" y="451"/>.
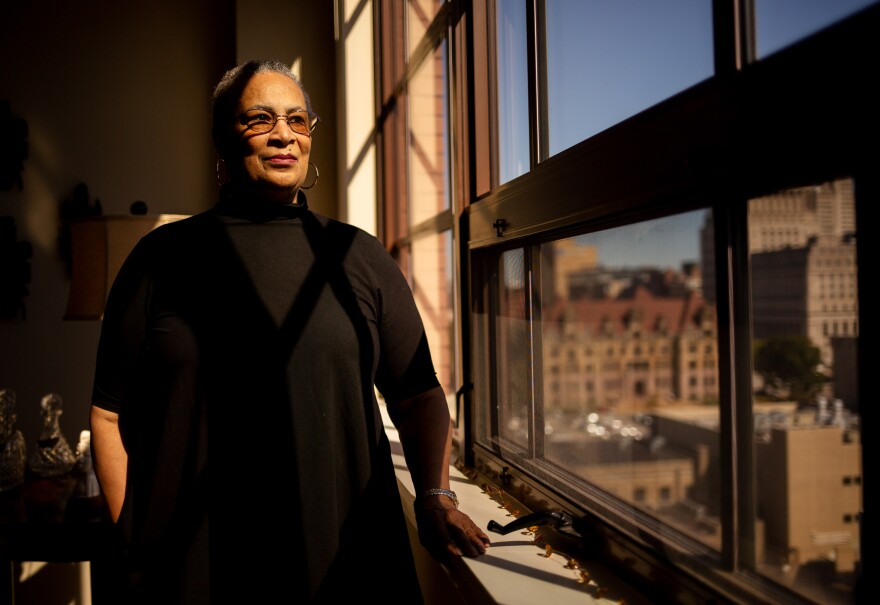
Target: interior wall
<point x="116" y="96"/>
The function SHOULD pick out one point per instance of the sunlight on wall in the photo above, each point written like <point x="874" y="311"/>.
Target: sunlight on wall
<point x="359" y="176"/>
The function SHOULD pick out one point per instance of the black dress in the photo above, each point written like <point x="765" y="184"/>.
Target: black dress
<point x="240" y="348"/>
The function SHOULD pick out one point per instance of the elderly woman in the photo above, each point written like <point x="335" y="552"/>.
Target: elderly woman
<point x="236" y="432"/>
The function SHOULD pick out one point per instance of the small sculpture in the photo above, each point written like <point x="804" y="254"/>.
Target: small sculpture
<point x="87" y="482"/>
<point x="12" y="446"/>
<point x="53" y="456"/>
<point x="86" y="503"/>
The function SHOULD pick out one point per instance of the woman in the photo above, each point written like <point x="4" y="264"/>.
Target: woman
<point x="235" y="428"/>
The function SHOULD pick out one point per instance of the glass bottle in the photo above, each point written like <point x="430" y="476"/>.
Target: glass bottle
<point x="13" y="451"/>
<point x="53" y="456"/>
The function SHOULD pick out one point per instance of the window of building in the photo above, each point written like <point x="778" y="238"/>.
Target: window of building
<point x="640" y="494"/>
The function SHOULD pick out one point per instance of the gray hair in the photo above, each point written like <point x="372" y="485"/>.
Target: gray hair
<point x="228" y="92"/>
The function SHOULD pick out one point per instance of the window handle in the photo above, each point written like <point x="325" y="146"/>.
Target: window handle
<point x="544" y="517"/>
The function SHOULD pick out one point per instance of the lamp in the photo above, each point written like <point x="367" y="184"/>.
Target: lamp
<point x="99" y="245"/>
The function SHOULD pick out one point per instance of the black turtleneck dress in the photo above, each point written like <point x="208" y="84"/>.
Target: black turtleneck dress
<point x="241" y="347"/>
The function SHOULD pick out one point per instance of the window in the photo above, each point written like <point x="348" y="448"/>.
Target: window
<point x="708" y="218"/>
<point x="585" y="92"/>
<point x="652" y="188"/>
<point x="416" y="170"/>
<point x="783" y="22"/>
<point x="513" y="90"/>
<point x="813" y="420"/>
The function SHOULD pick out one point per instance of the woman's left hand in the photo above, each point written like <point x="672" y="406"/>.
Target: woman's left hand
<point x="447" y="532"/>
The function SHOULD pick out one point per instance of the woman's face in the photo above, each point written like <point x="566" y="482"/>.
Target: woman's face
<point x="276" y="162"/>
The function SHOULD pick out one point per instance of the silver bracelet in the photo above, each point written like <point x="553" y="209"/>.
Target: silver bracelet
<point x="439" y="491"/>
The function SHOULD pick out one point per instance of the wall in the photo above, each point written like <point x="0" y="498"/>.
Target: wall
<point x="116" y="96"/>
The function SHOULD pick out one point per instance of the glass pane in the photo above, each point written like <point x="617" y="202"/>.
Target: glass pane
<point x="481" y="346"/>
<point x="780" y="23"/>
<point x="513" y="350"/>
<point x="805" y="327"/>
<point x="607" y="61"/>
<point x="513" y="93"/>
<point x="630" y="368"/>
<point x="428" y="138"/>
<point x="433" y="291"/>
<point x="419" y="14"/>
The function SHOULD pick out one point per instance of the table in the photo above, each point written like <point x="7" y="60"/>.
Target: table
<point x="45" y="520"/>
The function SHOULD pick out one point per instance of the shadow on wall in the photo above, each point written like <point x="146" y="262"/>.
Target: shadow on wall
<point x="15" y="273"/>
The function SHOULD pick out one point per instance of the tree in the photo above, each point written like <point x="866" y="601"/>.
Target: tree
<point x="789" y="363"/>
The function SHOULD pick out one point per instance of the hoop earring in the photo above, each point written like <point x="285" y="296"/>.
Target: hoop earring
<point x="221" y="168"/>
<point x="316" y="177"/>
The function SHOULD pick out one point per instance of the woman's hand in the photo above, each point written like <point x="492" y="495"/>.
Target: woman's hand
<point x="447" y="532"/>
<point x="425" y="431"/>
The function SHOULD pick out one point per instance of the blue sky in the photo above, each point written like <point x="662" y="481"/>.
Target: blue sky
<point x="607" y="61"/>
<point x="662" y="243"/>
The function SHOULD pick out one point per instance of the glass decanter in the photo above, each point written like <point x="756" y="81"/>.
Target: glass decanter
<point x="53" y="456"/>
<point x="13" y="451"/>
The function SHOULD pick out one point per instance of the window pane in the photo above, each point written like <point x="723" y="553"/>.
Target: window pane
<point x="419" y="14"/>
<point x="428" y="151"/>
<point x="780" y="23"/>
<point x="630" y="368"/>
<point x="513" y="350"/>
<point x="513" y="94"/>
<point x="433" y="291"/>
<point x="607" y="61"/>
<point x="805" y="328"/>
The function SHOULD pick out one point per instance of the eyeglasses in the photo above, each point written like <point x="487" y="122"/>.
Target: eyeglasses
<point x="262" y="121"/>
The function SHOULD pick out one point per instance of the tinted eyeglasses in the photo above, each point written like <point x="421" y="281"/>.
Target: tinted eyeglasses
<point x="262" y="121"/>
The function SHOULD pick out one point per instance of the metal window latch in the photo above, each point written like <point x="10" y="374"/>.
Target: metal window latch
<point x="500" y="225"/>
<point x="544" y="517"/>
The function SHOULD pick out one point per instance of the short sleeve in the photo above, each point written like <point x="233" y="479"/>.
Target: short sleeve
<point x="122" y="330"/>
<point x="405" y="365"/>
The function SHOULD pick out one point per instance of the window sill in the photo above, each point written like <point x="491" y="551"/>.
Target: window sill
<point x="514" y="570"/>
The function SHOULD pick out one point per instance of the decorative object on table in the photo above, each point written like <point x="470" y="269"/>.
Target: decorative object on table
<point x="86" y="503"/>
<point x="13" y="451"/>
<point x="53" y="456"/>
<point x="86" y="480"/>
